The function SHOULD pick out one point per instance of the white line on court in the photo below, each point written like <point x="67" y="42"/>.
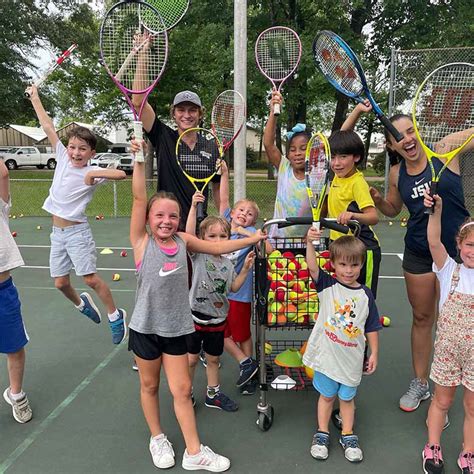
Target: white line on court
<point x="46" y="267"/>
<point x="49" y="246"/>
<point x="113" y="290"/>
<point x="56" y="412"/>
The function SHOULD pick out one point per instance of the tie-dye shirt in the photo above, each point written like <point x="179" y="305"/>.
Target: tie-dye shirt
<point x="291" y="201"/>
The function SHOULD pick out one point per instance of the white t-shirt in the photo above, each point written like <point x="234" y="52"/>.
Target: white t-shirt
<point x="10" y="256"/>
<point x="291" y="201"/>
<point x="69" y="195"/>
<point x="465" y="284"/>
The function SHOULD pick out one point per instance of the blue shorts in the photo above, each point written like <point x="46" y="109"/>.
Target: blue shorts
<point x="13" y="336"/>
<point x="330" y="388"/>
<point x="72" y="247"/>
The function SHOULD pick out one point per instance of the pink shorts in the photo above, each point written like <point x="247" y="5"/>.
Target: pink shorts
<point x="238" y="321"/>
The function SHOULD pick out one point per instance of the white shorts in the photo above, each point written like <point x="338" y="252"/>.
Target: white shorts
<point x="72" y="247"/>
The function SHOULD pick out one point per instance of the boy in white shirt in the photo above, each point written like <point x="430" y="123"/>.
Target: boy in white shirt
<point x="72" y="243"/>
<point x="13" y="337"/>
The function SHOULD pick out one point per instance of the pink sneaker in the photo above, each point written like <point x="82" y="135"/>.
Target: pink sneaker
<point x="466" y="462"/>
<point x="432" y="459"/>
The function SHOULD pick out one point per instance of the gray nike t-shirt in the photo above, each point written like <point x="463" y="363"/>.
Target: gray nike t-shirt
<point x="162" y="297"/>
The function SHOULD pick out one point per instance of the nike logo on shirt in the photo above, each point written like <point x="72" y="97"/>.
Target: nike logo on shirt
<point x="419" y="181"/>
<point x="163" y="272"/>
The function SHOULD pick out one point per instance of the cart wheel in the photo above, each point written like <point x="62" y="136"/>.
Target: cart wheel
<point x="265" y="420"/>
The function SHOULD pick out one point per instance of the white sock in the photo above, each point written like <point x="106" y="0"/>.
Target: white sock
<point x="80" y="306"/>
<point x="114" y="316"/>
<point x="17" y="396"/>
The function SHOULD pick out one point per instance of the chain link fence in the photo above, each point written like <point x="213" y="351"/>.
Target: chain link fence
<point x="408" y="69"/>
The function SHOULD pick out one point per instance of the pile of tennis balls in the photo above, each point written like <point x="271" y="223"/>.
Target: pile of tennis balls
<point x="292" y="297"/>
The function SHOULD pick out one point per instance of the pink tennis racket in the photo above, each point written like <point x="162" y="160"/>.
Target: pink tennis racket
<point x="134" y="51"/>
<point x="228" y="117"/>
<point x="278" y="53"/>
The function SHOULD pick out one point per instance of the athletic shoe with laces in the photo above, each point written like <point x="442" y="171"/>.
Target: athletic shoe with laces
<point x="222" y="402"/>
<point x="417" y="392"/>
<point x="350" y="444"/>
<point x="20" y="408"/>
<point x="206" y="460"/>
<point x="466" y="462"/>
<point x="432" y="459"/>
<point x="119" y="327"/>
<point x="320" y="445"/>
<point x="248" y="369"/>
<point x="162" y="452"/>
<point x="90" y="309"/>
<point x="250" y="387"/>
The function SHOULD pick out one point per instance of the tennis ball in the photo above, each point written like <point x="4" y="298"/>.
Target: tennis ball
<point x="38" y="227"/>
<point x="271" y="318"/>
<point x="268" y="348"/>
<point x="275" y="254"/>
<point x="390" y="223"/>
<point x="271" y="296"/>
<point x="385" y="321"/>
<point x="309" y="372"/>
<point x="20" y="215"/>
<point x="293" y="296"/>
<point x="280" y="294"/>
<point x="14" y="216"/>
<point x="288" y="277"/>
<point x="294" y="265"/>
<point x="276" y="307"/>
<point x="116" y="277"/>
<point x="123" y="253"/>
<point x="299" y="286"/>
<point x="14" y="234"/>
<point x="281" y="318"/>
<point x="291" y="312"/>
<point x="303" y="274"/>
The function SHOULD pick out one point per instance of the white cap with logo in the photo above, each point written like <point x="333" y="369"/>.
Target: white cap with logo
<point x="187" y="96"/>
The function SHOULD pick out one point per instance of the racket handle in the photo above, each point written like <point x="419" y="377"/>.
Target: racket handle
<point x="391" y="129"/>
<point x="276" y="109"/>
<point x="316" y="242"/>
<point x="199" y="212"/>
<point x="138" y="132"/>
<point x="433" y="191"/>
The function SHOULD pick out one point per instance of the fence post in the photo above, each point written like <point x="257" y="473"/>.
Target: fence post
<point x="115" y="198"/>
<point x="391" y="95"/>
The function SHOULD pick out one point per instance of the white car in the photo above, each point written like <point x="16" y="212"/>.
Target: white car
<point x="106" y="160"/>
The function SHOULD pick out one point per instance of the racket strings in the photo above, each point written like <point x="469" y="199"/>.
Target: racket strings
<point x="132" y="54"/>
<point x="171" y="12"/>
<point x="278" y="52"/>
<point x="228" y="114"/>
<point x="201" y="161"/>
<point x="336" y="64"/>
<point x="445" y="104"/>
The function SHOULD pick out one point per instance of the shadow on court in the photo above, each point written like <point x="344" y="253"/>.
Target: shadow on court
<point x="85" y="397"/>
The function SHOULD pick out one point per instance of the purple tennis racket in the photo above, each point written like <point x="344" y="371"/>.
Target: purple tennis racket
<point x="278" y="53"/>
<point x="134" y="51"/>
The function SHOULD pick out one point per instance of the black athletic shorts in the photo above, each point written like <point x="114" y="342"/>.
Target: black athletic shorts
<point x="151" y="346"/>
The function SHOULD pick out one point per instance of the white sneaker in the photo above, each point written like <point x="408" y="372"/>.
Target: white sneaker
<point x="162" y="452"/>
<point x="20" y="408"/>
<point x="206" y="460"/>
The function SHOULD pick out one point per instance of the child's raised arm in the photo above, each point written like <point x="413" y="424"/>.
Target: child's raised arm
<point x="240" y="279"/>
<point x="313" y="267"/>
<point x="191" y="220"/>
<point x="437" y="249"/>
<point x="273" y="153"/>
<point x="354" y="116"/>
<point x="224" y="202"/>
<point x="139" y="205"/>
<point x="43" y="117"/>
<point x="4" y="182"/>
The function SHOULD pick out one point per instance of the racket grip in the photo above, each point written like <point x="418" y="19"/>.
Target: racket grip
<point x="199" y="212"/>
<point x="316" y="242"/>
<point x="433" y="191"/>
<point x="276" y="109"/>
<point x="138" y="132"/>
<point x="391" y="129"/>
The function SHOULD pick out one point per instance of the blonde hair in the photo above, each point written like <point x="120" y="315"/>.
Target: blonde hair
<point x="161" y="195"/>
<point x="465" y="230"/>
<point x="348" y="247"/>
<point x="214" y="220"/>
<point x="251" y="203"/>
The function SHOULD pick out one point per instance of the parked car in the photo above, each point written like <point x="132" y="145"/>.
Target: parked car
<point x="29" y="156"/>
<point x="126" y="163"/>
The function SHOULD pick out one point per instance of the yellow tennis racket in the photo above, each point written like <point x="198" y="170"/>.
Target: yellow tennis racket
<point x="199" y="154"/>
<point x="443" y="115"/>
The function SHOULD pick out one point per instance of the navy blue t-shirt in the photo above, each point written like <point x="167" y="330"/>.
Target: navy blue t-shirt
<point x="411" y="188"/>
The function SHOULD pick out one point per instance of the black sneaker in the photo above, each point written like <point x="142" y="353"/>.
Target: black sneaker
<point x="247" y="370"/>
<point x="222" y="402"/>
<point x="250" y="387"/>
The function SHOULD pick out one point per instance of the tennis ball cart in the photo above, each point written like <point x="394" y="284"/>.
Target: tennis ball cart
<point x="286" y="308"/>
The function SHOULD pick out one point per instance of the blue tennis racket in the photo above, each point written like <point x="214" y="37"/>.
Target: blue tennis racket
<point x="341" y="67"/>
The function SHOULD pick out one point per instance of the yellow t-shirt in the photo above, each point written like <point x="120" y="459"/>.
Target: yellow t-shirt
<point x="351" y="194"/>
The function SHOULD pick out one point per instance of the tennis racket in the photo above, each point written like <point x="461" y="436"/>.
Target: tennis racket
<point x="443" y="108"/>
<point x="278" y="53"/>
<point x="228" y="117"/>
<point x="316" y="174"/>
<point x="171" y="12"/>
<point x="199" y="154"/>
<point x="53" y="67"/>
<point x="341" y="67"/>
<point x="134" y="55"/>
